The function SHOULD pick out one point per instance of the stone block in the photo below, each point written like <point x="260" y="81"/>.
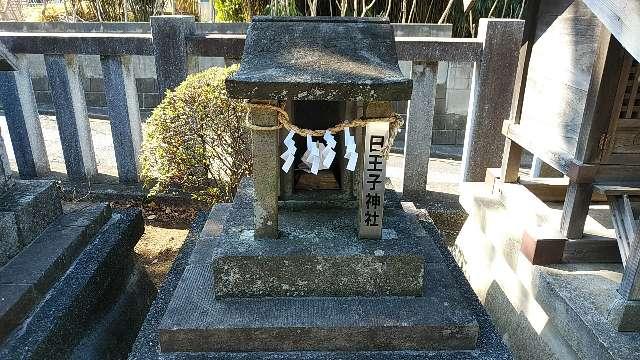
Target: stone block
<point x="315" y="246"/>
<point x="34" y="205"/>
<point x="439" y="121"/>
<point x="455" y="122"/>
<point x="96" y="85"/>
<point x="194" y="322"/>
<point x="444" y="137"/>
<point x="146" y="85"/>
<point x="43" y="98"/>
<point x="150" y="100"/>
<point x="441" y="106"/>
<point x="9" y="242"/>
<point x="61" y="320"/>
<point x="95" y="99"/>
<point x="460" y="134"/>
<point x="15" y="301"/>
<point x="40" y="83"/>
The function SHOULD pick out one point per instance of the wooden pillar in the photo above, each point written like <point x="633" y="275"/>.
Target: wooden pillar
<point x="417" y="147"/>
<point x="575" y="209"/>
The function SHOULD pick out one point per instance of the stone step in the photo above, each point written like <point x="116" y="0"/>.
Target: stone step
<point x="84" y="292"/>
<point x="197" y="322"/>
<point x="26" y="209"/>
<point x="28" y="276"/>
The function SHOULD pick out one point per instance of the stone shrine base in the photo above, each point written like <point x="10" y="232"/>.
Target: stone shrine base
<point x="196" y="320"/>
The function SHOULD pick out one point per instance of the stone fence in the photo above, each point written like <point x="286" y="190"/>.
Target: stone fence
<point x="452" y="93"/>
<point x="151" y="57"/>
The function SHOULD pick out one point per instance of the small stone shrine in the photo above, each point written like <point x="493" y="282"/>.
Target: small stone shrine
<point x="311" y="255"/>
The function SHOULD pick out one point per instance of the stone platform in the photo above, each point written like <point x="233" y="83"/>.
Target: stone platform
<point x="198" y="320"/>
<point x="560" y="311"/>
<point x="318" y="253"/>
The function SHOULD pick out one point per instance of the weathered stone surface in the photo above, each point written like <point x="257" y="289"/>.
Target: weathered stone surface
<point x="266" y="171"/>
<point x="15" y="301"/>
<point x="493" y="77"/>
<point x="561" y="311"/>
<point x="44" y="261"/>
<point x="194" y="323"/>
<point x="170" y="49"/>
<point x="319" y="58"/>
<point x="126" y="126"/>
<point x="19" y="105"/>
<point x="419" y="127"/>
<point x="33" y="205"/>
<point x="71" y="116"/>
<point x="58" y="323"/>
<point x="488" y="347"/>
<point x="318" y="253"/>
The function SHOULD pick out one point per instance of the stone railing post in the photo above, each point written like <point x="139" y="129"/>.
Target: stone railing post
<point x="18" y="99"/>
<point x="170" y="49"/>
<point x="491" y="96"/>
<point x="122" y="105"/>
<point x="71" y="115"/>
<point x="417" y="147"/>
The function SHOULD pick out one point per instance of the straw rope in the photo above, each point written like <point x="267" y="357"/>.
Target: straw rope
<point x="394" y="120"/>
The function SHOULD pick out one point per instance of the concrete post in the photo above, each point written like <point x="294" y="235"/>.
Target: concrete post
<point x="417" y="146"/>
<point x="18" y="99"/>
<point x="491" y="96"/>
<point x="266" y="172"/>
<point x="170" y="49"/>
<point x="122" y="103"/>
<point x="71" y="115"/>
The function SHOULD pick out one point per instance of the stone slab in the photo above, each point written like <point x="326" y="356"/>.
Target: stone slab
<point x="195" y="323"/>
<point x="33" y="204"/>
<point x="30" y="274"/>
<point x="61" y="319"/>
<point x="318" y="253"/>
<point x="583" y="298"/>
<point x="560" y="311"/>
<point x="319" y="58"/>
<point x="146" y="347"/>
<point x="15" y="301"/>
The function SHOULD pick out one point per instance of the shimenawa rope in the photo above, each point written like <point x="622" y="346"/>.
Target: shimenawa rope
<point x="394" y="120"/>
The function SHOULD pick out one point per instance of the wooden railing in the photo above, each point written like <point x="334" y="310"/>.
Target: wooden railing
<point x="173" y="40"/>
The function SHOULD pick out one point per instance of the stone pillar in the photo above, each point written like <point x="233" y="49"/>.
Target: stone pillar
<point x="21" y="112"/>
<point x="266" y="172"/>
<point x="417" y="146"/>
<point x="122" y="102"/>
<point x="170" y="49"/>
<point x="71" y="115"/>
<point x="491" y="96"/>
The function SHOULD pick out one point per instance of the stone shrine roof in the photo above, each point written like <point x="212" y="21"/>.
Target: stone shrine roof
<point x="319" y="58"/>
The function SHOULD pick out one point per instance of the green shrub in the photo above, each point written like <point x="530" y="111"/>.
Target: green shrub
<point x="195" y="140"/>
<point x="230" y="10"/>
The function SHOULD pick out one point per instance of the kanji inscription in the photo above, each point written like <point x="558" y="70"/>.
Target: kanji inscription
<point x="373" y="176"/>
